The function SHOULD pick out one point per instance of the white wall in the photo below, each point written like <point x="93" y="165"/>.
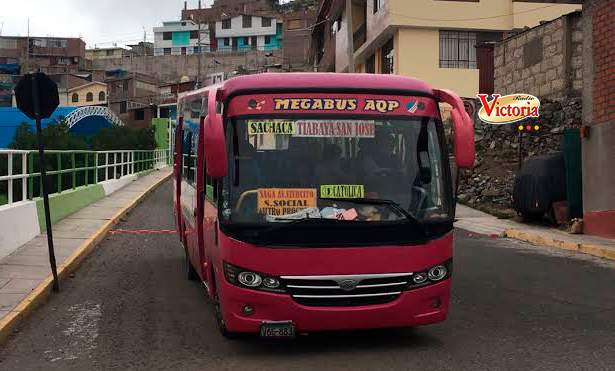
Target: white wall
<point x="18" y="225"/>
<point x="237" y="29"/>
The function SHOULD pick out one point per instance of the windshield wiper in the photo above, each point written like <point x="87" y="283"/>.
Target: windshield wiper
<point x="392" y="205"/>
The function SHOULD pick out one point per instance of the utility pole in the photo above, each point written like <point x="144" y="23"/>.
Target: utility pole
<point x="28" y="49"/>
<point x="350" y="36"/>
<point x="198" y="68"/>
<point x="144" y="49"/>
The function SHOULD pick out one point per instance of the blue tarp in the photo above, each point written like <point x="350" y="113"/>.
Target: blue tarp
<point x="11" y="117"/>
<point x="10" y="68"/>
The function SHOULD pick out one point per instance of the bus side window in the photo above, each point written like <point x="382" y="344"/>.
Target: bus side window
<point x="186" y="155"/>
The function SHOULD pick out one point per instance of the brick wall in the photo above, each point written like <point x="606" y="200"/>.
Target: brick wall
<point x="546" y="60"/>
<point x="604" y="59"/>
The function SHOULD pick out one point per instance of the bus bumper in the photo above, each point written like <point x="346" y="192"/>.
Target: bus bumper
<point x="422" y="306"/>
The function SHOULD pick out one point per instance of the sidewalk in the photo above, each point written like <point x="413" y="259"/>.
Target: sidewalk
<point x="483" y="223"/>
<point x="25" y="275"/>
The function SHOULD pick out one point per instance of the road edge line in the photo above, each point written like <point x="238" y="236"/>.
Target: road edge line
<point x="40" y="293"/>
<point x="537" y="239"/>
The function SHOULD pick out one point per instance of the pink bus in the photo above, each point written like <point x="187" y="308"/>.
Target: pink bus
<point x="316" y="201"/>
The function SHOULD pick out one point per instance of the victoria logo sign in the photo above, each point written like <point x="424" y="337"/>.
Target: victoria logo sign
<point x="508" y="108"/>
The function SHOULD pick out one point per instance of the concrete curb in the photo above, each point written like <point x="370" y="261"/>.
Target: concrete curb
<point x="42" y="291"/>
<point x="537" y="239"/>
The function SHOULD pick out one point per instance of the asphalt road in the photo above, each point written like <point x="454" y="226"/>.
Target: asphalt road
<point x="129" y="307"/>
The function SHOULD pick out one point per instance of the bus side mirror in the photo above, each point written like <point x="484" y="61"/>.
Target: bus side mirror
<point x="463" y="129"/>
<point x="215" y="146"/>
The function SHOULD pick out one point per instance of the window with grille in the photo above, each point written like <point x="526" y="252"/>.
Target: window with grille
<point x="194" y="35"/>
<point x="457" y="49"/>
<point x="167" y="35"/>
<point x="226" y="24"/>
<point x="388" y="57"/>
<point x="265" y="22"/>
<point x="246" y="21"/>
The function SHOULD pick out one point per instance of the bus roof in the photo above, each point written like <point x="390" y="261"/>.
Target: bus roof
<point x="315" y="81"/>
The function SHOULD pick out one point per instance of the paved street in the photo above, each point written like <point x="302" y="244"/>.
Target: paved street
<point x="129" y="307"/>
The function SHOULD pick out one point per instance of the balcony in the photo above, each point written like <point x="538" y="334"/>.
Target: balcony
<point x="358" y="36"/>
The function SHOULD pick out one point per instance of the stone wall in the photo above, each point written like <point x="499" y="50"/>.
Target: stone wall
<point x="543" y="61"/>
<point x="170" y="68"/>
<point x="491" y="180"/>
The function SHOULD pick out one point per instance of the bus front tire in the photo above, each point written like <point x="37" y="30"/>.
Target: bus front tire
<point x="220" y="321"/>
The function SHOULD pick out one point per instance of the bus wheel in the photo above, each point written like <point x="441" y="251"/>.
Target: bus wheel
<point x="190" y="271"/>
<point x="220" y="321"/>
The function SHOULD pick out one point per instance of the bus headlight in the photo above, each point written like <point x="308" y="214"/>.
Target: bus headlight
<point x="431" y="276"/>
<point x="249" y="279"/>
<point x="437" y="273"/>
<point x="419" y="278"/>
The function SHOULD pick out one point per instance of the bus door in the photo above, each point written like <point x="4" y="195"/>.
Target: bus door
<point x="188" y="195"/>
<point x="206" y="206"/>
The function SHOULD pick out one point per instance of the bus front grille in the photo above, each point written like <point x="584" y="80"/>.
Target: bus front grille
<point x="346" y="290"/>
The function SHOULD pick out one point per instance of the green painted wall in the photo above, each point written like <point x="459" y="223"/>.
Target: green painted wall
<point x="162" y="132"/>
<point x="65" y="203"/>
<point x="181" y="38"/>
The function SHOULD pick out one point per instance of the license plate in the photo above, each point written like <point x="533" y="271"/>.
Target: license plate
<point x="277" y="330"/>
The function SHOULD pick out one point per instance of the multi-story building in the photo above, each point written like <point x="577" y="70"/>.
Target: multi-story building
<point x="132" y="96"/>
<point x="246" y="32"/>
<point x="447" y="43"/>
<point x="321" y="56"/>
<point x="49" y="54"/>
<point x="106" y="53"/>
<point x="296" y="38"/>
<point x="142" y="48"/>
<point x="180" y="37"/>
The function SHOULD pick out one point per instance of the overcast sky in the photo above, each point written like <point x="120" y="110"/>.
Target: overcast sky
<point x="99" y="22"/>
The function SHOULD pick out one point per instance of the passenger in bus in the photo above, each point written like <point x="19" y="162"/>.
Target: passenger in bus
<point x="329" y="171"/>
<point x="377" y="155"/>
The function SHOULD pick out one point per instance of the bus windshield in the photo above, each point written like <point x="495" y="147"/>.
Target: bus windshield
<point x="336" y="170"/>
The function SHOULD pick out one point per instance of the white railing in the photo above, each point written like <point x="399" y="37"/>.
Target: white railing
<point x="20" y="172"/>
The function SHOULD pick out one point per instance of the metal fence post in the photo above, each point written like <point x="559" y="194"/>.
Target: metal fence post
<point x="96" y="168"/>
<point x="74" y="171"/>
<point x="86" y="169"/>
<point x="24" y="173"/>
<point x="59" y="172"/>
<point x="10" y="173"/>
<point x="106" y="165"/>
<point x="31" y="177"/>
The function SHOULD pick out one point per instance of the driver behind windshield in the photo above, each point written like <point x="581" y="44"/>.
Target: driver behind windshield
<point x="379" y="154"/>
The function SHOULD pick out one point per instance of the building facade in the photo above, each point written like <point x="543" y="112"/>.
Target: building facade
<point x="90" y="94"/>
<point x="132" y="96"/>
<point x="180" y="38"/>
<point x="106" y="53"/>
<point x="296" y="38"/>
<point x="248" y="32"/>
<point x="49" y="54"/>
<point x="447" y="43"/>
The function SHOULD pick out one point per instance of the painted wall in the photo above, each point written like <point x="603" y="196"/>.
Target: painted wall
<point x="237" y="29"/>
<point x="82" y="93"/>
<point x="424" y="65"/>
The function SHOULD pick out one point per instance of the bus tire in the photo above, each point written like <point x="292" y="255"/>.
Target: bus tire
<point x="190" y="271"/>
<point x="220" y="321"/>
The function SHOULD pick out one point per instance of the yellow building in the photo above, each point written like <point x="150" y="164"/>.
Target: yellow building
<point x="106" y="53"/>
<point x="447" y="43"/>
<point x="91" y="94"/>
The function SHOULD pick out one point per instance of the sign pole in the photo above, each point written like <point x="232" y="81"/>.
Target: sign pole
<point x="41" y="155"/>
